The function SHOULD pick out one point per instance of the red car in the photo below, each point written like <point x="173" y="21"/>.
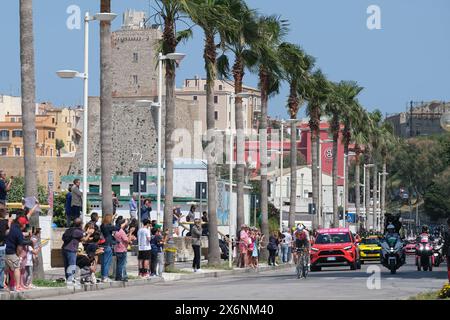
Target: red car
<point x="334" y="247"/>
<point x="410" y="248"/>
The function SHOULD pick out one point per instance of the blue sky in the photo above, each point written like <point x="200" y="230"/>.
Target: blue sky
<point x="408" y="59"/>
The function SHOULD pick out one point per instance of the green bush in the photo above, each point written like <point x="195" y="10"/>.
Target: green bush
<point x="17" y="191"/>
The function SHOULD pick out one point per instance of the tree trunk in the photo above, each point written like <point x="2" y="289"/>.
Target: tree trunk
<point x="335" y="129"/>
<point x="293" y="155"/>
<point x="314" y="177"/>
<point x="238" y="73"/>
<point x="367" y="188"/>
<point x="263" y="160"/>
<point x="375" y="198"/>
<point x="357" y="186"/>
<point x="28" y="90"/>
<point x="383" y="194"/>
<point x="346" y="168"/>
<point x="169" y="39"/>
<point x="106" y="110"/>
<point x="210" y="65"/>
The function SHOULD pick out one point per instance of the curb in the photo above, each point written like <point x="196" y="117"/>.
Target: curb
<point x="51" y="292"/>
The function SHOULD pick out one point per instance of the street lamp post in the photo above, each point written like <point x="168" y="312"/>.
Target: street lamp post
<point x="70" y="74"/>
<point x="364" y="192"/>
<point x="281" y="174"/>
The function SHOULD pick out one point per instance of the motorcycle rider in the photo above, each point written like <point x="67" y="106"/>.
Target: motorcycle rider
<point x="446" y="248"/>
<point x="425" y="236"/>
<point x="391" y="234"/>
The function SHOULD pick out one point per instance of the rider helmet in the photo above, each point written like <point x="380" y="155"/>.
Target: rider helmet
<point x="425" y="229"/>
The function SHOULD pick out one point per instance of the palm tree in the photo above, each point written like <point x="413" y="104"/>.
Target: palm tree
<point x="28" y="89"/>
<point x="296" y="66"/>
<point x="271" y="30"/>
<point x="333" y="108"/>
<point x="239" y="40"/>
<point x="212" y="16"/>
<point x="317" y="94"/>
<point x="106" y="109"/>
<point x="169" y="11"/>
<point x="359" y="134"/>
<point x="351" y="117"/>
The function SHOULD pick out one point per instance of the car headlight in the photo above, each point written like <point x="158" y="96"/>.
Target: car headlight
<point x="348" y="248"/>
<point x="314" y="249"/>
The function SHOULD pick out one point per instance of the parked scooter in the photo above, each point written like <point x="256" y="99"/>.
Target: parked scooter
<point x="392" y="251"/>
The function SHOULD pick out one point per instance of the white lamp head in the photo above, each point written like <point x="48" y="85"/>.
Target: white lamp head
<point x="105" y="16"/>
<point x="67" y="74"/>
<point x="176" y="56"/>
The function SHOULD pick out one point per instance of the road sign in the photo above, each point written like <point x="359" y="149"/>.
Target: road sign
<point x="139" y="179"/>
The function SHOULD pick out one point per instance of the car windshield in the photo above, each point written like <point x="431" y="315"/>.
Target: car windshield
<point x="324" y="238"/>
<point x="369" y="241"/>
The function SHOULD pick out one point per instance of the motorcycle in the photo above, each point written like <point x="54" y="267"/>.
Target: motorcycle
<point x="392" y="253"/>
<point x="437" y="253"/>
<point x="424" y="255"/>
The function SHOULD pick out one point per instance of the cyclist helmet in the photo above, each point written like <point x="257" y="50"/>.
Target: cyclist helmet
<point x="300" y="227"/>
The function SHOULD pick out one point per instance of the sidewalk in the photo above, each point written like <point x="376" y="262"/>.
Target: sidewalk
<point x="185" y="269"/>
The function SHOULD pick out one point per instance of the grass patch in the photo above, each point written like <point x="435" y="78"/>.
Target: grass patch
<point x="221" y="266"/>
<point x="48" y="283"/>
<point x="175" y="270"/>
<point x="433" y="295"/>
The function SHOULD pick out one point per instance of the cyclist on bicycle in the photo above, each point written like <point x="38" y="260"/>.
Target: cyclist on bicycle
<point x="301" y="243"/>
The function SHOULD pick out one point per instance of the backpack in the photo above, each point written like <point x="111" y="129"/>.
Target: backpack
<point x="67" y="236"/>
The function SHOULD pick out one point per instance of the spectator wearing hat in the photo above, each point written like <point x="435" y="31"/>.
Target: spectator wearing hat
<point x="196" y="235"/>
<point x="14" y="240"/>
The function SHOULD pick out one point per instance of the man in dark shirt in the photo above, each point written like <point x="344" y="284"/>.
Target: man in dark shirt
<point x="4" y="187"/>
<point x="12" y="241"/>
<point x="146" y="209"/>
<point x="75" y="234"/>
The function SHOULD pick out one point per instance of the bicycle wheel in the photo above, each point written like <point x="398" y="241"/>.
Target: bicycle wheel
<point x="299" y="271"/>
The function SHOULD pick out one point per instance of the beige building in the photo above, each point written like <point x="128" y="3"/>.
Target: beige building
<point x="66" y="120"/>
<point x="11" y="136"/>
<point x="195" y="90"/>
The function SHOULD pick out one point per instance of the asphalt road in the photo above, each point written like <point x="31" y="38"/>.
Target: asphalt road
<point x="330" y="284"/>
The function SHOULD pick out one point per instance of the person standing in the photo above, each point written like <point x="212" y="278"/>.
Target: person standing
<point x="196" y="234"/>
<point x="190" y="217"/>
<point x="285" y="246"/>
<point x="133" y="207"/>
<point x="107" y="228"/>
<point x="68" y="206"/>
<point x="273" y="247"/>
<point x="157" y="255"/>
<point x="77" y="200"/>
<point x="205" y="228"/>
<point x="121" y="248"/>
<point x="144" y="248"/>
<point x="115" y="202"/>
<point x="146" y="209"/>
<point x="4" y="187"/>
<point x="4" y="227"/>
<point x="244" y="241"/>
